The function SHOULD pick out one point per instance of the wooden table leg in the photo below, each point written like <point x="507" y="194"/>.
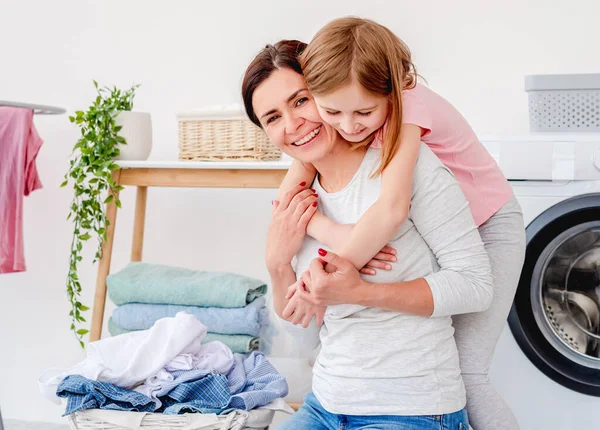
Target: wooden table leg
<point x="104" y="267"/>
<point x="138" y="224"/>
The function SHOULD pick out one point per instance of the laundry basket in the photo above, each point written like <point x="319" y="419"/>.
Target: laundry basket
<point x="564" y="103"/>
<point x="218" y="134"/>
<point x="97" y="419"/>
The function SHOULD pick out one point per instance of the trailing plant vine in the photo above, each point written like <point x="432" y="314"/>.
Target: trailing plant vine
<point x="90" y="171"/>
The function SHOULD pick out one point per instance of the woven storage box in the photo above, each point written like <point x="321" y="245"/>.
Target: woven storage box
<point x="564" y="103"/>
<point x="222" y="135"/>
<point x="96" y="419"/>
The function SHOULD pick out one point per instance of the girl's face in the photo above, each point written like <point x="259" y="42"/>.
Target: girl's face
<point x="289" y="116"/>
<point x="353" y="111"/>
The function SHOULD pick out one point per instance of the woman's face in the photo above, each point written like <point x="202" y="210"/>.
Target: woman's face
<point x="289" y="116"/>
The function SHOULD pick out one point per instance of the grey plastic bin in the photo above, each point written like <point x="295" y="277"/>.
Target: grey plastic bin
<point x="564" y="103"/>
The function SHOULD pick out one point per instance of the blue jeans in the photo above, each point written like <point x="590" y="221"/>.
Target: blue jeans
<point x="312" y="416"/>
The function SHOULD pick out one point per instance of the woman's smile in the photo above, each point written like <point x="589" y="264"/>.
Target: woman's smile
<point x="309" y="138"/>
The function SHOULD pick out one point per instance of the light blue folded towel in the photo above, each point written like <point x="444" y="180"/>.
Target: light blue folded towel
<point x="159" y="284"/>
<point x="238" y="343"/>
<point x="247" y="320"/>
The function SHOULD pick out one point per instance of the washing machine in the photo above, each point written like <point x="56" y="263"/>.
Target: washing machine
<point x="547" y="362"/>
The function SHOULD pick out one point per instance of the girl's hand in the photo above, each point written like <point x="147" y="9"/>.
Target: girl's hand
<point x="288" y="226"/>
<point x="299" y="311"/>
<point x="380" y="261"/>
<point x="338" y="234"/>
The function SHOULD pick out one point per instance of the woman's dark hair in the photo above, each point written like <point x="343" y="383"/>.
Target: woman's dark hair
<point x="284" y="54"/>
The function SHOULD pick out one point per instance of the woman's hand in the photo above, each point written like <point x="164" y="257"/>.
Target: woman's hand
<point x="380" y="261"/>
<point x="322" y="288"/>
<point x="288" y="226"/>
<point x="299" y="311"/>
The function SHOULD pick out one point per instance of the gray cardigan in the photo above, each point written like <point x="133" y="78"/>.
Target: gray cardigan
<point x="379" y="362"/>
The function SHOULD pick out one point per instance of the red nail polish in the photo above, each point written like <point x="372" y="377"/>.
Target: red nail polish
<point x="315" y="204"/>
<point x="313" y="190"/>
<point x="322" y="252"/>
<point x="302" y="183"/>
<point x="315" y="195"/>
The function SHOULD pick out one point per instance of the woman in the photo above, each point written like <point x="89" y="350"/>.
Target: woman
<point x="388" y="358"/>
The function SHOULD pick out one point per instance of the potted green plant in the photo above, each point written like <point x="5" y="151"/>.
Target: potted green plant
<point x="103" y="133"/>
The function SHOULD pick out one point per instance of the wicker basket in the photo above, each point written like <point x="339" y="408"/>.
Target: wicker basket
<point x="222" y="135"/>
<point x="96" y="419"/>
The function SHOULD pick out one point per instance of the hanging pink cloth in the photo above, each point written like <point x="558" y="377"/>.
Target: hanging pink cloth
<point x="19" y="146"/>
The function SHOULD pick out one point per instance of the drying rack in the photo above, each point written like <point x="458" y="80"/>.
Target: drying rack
<point x="37" y="110"/>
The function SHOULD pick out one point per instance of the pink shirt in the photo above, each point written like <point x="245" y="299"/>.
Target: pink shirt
<point x="19" y="145"/>
<point x="452" y="139"/>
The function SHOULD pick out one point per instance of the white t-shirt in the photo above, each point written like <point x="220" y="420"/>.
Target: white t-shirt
<point x="379" y="362"/>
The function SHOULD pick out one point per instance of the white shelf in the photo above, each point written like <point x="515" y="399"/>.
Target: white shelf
<point x="283" y="164"/>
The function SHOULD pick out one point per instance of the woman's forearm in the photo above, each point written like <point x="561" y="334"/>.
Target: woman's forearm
<point x="417" y="298"/>
<point x="282" y="276"/>
<point x="409" y="297"/>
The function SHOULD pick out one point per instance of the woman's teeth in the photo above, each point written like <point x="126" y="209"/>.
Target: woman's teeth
<point x="310" y="136"/>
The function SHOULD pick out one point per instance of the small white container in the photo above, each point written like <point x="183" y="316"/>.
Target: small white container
<point x="564" y="103"/>
<point x="137" y="131"/>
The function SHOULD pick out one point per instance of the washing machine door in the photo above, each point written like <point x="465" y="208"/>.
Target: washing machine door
<point x="555" y="317"/>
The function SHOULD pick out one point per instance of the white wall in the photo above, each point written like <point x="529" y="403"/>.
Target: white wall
<point x="190" y="54"/>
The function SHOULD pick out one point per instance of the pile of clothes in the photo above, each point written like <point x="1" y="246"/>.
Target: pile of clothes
<point x="166" y="369"/>
<point x="232" y="306"/>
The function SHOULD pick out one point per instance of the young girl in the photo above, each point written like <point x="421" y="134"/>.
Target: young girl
<point x="365" y="86"/>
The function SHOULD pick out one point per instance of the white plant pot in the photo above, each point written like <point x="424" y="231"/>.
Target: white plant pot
<point x="137" y="131"/>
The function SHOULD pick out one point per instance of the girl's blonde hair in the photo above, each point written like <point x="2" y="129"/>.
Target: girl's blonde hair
<point x="355" y="48"/>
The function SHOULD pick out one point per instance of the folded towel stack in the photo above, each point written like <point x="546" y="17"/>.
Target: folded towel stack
<point x="230" y="305"/>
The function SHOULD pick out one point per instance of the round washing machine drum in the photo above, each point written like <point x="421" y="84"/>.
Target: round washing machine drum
<point x="556" y="313"/>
